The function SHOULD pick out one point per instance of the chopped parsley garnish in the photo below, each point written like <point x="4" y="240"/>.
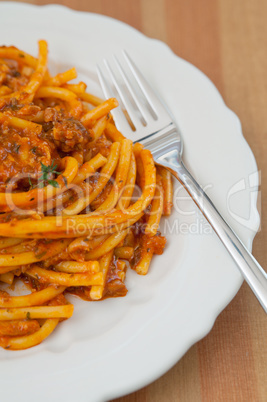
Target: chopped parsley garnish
<point x="30" y="181"/>
<point x="47" y="172"/>
<point x="34" y="149"/>
<point x="65" y="180"/>
<point x="41" y="255"/>
<point x="16" y="148"/>
<point x="14" y="107"/>
<point x="45" y="178"/>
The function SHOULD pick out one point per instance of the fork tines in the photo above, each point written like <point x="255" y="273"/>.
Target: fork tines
<point x="140" y="109"/>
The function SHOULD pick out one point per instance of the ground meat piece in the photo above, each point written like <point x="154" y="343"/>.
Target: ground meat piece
<point x="18" y="328"/>
<point x="148" y="244"/>
<point x="28" y="110"/>
<point x="101" y="145"/>
<point x="21" y="153"/>
<point x="51" y="114"/>
<point x="157" y="242"/>
<point x="115" y="288"/>
<point x="11" y="77"/>
<point x="69" y="135"/>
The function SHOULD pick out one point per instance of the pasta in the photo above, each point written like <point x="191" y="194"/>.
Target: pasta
<point x="79" y="203"/>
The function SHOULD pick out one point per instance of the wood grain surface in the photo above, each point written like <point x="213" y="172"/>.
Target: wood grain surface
<point x="227" y="40"/>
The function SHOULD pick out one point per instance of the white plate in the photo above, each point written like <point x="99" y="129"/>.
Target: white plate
<point x="116" y="346"/>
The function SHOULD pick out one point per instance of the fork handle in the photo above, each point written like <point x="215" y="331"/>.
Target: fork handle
<point x="251" y="270"/>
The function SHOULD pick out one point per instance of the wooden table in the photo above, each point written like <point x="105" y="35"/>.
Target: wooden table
<point x="227" y="40"/>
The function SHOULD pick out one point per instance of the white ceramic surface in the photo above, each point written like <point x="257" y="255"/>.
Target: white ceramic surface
<point x="116" y="346"/>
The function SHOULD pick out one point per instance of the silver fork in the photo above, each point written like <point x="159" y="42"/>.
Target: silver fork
<point x="154" y="127"/>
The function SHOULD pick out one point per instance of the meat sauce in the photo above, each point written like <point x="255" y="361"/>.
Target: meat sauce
<point x="21" y="150"/>
<point x="20" y="155"/>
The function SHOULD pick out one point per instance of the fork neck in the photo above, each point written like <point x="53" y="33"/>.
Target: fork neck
<point x="172" y="161"/>
<point x="165" y="143"/>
